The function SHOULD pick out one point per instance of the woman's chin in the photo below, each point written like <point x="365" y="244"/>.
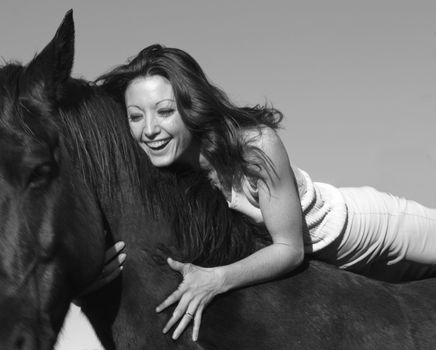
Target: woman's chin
<point x="161" y="162"/>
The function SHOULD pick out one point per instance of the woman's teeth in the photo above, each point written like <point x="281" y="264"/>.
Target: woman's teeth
<point x="158" y="144"/>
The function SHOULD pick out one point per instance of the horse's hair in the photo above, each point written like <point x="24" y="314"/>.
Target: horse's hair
<point x="9" y="77"/>
<point x="17" y="109"/>
<point x="207" y="232"/>
<point x="95" y="137"/>
<point x="215" y="235"/>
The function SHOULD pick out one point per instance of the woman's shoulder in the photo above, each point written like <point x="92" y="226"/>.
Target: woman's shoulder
<point x="273" y="150"/>
<point x="267" y="140"/>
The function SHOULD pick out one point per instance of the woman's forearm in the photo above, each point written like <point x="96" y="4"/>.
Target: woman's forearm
<point x="263" y="265"/>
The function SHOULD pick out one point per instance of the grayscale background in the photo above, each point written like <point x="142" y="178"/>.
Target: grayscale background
<point x="356" y="80"/>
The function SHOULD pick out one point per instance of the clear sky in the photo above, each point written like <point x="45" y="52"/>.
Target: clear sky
<point x="356" y="80"/>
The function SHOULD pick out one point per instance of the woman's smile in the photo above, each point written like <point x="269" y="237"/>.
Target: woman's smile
<point x="155" y="122"/>
<point x="158" y="145"/>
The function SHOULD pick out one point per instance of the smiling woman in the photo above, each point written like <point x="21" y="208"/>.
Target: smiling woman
<point x="177" y="115"/>
<point x="156" y="124"/>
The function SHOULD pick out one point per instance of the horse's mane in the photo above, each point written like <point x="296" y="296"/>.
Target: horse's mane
<point x="99" y="140"/>
<point x="208" y="232"/>
<point x="18" y="108"/>
<point x="9" y="76"/>
<point x="94" y="135"/>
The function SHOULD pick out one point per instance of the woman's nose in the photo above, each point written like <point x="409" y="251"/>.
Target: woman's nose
<point x="151" y="128"/>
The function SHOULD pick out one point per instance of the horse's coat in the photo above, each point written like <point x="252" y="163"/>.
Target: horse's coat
<point x="68" y="166"/>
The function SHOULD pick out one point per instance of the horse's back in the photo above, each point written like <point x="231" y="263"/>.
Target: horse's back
<point x="320" y="307"/>
<point x="417" y="301"/>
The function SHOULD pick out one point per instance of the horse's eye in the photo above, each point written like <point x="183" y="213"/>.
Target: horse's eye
<point x="41" y="175"/>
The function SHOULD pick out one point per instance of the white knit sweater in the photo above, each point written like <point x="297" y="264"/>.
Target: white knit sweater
<point x="323" y="207"/>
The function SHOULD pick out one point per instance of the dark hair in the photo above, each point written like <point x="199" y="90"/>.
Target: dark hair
<point x="206" y="111"/>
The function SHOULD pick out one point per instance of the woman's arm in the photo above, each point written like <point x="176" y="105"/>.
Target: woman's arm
<point x="281" y="210"/>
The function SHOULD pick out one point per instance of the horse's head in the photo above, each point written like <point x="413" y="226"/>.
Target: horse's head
<point x="51" y="242"/>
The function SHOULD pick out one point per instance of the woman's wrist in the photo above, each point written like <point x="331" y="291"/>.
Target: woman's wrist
<point x="222" y="280"/>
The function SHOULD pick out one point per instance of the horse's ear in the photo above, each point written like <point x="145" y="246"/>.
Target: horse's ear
<point x="50" y="68"/>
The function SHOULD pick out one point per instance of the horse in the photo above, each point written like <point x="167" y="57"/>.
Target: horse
<point x="72" y="182"/>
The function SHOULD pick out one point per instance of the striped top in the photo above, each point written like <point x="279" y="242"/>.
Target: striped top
<point x="323" y="207"/>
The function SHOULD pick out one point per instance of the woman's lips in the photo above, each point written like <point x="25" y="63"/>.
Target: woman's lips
<point x="157" y="145"/>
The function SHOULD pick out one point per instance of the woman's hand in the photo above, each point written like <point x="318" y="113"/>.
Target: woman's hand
<point x="113" y="265"/>
<point x="199" y="286"/>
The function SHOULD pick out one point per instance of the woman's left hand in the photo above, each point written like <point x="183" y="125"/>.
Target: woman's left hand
<point x="199" y="286"/>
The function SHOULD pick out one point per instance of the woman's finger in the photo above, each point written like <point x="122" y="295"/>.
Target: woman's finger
<point x="102" y="281"/>
<point x="175" y="296"/>
<point x="109" y="278"/>
<point x="176" y="265"/>
<point x="114" y="250"/>
<point x="197" y="322"/>
<point x="186" y="319"/>
<point x="178" y="313"/>
<point x="113" y="265"/>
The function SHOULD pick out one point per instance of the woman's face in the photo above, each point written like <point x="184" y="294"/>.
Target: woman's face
<point x="155" y="122"/>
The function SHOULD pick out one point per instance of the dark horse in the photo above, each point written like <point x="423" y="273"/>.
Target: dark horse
<point x="69" y="172"/>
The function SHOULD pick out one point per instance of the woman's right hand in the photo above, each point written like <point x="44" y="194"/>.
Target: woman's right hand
<point x="113" y="265"/>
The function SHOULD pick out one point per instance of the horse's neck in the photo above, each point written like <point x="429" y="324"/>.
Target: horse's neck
<point x="146" y="276"/>
<point x="146" y="280"/>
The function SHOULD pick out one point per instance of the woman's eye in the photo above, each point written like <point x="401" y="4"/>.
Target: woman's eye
<point x="135" y="117"/>
<point x="166" y="112"/>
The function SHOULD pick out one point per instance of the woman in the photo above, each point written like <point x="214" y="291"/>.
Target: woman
<point x="177" y="116"/>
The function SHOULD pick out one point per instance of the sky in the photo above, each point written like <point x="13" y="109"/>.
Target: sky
<point x="355" y="80"/>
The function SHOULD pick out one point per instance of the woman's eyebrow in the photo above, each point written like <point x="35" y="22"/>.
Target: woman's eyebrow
<point x="136" y="106"/>
<point x="166" y="99"/>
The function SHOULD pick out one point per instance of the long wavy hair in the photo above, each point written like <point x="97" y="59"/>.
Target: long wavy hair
<point x="206" y="111"/>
